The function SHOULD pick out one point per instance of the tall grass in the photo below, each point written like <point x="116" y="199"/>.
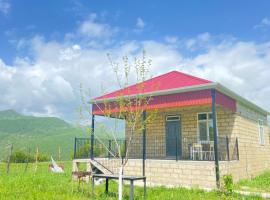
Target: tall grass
<point x="44" y="185"/>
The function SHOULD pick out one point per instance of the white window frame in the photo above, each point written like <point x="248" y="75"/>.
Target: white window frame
<point x="177" y="118"/>
<point x="207" y="126"/>
<point x="261" y="134"/>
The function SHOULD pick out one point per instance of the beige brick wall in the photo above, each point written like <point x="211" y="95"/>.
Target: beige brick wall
<point x="254" y="158"/>
<point x="171" y="173"/>
<point x="155" y="130"/>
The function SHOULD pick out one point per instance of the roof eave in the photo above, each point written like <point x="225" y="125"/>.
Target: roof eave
<point x="213" y="85"/>
<point x="239" y="98"/>
<point x="160" y="92"/>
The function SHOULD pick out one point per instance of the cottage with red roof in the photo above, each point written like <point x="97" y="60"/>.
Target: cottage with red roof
<point x="201" y="132"/>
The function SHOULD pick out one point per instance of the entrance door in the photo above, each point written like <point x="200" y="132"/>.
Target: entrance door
<point x="173" y="137"/>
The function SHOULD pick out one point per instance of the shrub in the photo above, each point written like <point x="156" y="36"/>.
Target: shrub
<point x="23" y="157"/>
<point x="228" y="183"/>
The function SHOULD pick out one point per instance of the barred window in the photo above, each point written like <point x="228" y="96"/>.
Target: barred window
<point x="261" y="132"/>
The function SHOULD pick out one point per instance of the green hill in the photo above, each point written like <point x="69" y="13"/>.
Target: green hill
<point x="46" y="133"/>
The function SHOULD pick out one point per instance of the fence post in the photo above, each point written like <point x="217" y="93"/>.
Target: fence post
<point x="8" y="159"/>
<point x="92" y="136"/>
<point x="144" y="140"/>
<point x="75" y="148"/>
<point x="176" y="149"/>
<point x="237" y="148"/>
<point x="27" y="160"/>
<point x="228" y="148"/>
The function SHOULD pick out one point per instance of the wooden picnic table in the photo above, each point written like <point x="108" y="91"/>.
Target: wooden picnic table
<point x="116" y="177"/>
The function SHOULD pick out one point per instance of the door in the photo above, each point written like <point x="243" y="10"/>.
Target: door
<point x="173" y="137"/>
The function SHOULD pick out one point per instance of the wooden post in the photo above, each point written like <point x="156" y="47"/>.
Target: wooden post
<point x="8" y="158"/>
<point x="144" y="140"/>
<point x="75" y="148"/>
<point x="92" y="136"/>
<point x="36" y="160"/>
<point x="214" y="116"/>
<point x="59" y="153"/>
<point x="27" y="161"/>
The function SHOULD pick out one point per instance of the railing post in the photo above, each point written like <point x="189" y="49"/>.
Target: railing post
<point x="110" y="149"/>
<point x="144" y="140"/>
<point x="125" y="142"/>
<point x="92" y="136"/>
<point x="228" y="148"/>
<point x="75" y="148"/>
<point x="237" y="148"/>
<point x="214" y="116"/>
<point x="176" y="149"/>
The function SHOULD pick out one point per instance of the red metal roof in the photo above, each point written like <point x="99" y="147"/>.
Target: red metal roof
<point x="171" y="80"/>
<point x="202" y="97"/>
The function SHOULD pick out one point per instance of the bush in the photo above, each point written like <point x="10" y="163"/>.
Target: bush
<point x="228" y="183"/>
<point x="23" y="157"/>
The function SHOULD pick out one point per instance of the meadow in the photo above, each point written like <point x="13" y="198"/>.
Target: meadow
<point x="39" y="183"/>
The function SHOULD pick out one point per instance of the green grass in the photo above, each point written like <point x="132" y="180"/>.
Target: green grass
<point x="44" y="185"/>
<point x="259" y="183"/>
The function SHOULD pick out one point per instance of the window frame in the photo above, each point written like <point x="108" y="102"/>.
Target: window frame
<point x="207" y="127"/>
<point x="261" y="134"/>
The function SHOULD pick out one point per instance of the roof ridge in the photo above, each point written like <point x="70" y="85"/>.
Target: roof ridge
<point x="191" y="76"/>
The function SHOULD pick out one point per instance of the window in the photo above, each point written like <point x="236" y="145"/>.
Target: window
<point x="261" y="132"/>
<point x="173" y="118"/>
<point x="205" y="127"/>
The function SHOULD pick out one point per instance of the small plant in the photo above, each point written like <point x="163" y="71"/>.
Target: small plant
<point x="228" y="183"/>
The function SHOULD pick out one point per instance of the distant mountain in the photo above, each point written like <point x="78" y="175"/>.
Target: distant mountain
<point x="49" y="134"/>
<point x="9" y="114"/>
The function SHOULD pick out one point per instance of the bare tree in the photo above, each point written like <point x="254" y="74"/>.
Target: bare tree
<point x="129" y="107"/>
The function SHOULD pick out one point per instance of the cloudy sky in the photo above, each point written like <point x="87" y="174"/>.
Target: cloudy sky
<point x="48" y="48"/>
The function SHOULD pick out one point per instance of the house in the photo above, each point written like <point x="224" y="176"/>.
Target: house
<point x="202" y="131"/>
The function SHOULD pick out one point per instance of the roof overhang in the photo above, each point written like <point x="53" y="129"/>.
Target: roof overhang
<point x="214" y="85"/>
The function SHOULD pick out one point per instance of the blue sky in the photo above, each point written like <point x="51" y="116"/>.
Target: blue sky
<point x="48" y="47"/>
<point x="184" y="19"/>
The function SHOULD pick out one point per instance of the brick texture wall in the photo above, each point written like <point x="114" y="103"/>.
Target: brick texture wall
<point x="254" y="158"/>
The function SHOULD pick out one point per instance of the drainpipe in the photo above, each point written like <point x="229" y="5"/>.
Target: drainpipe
<point x="214" y="116"/>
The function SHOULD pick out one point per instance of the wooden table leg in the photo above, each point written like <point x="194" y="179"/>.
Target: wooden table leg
<point x="93" y="187"/>
<point x="131" y="190"/>
<point x="144" y="191"/>
<point x="107" y="186"/>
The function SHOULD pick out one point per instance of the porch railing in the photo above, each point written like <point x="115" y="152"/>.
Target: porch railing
<point x="158" y="147"/>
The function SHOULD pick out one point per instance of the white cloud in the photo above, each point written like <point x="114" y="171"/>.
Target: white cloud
<point x="264" y="23"/>
<point x="140" y="24"/>
<point x="48" y="84"/>
<point x="4" y="6"/>
<point x="93" y="29"/>
<point x="199" y="40"/>
<point x="171" y="39"/>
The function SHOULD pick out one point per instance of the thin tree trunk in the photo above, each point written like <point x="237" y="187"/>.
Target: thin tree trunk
<point x="120" y="183"/>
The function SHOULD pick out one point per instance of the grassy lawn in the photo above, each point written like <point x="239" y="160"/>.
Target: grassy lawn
<point x="43" y="185"/>
<point x="259" y="183"/>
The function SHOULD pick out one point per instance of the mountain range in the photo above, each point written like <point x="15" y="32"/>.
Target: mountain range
<point x="50" y="135"/>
